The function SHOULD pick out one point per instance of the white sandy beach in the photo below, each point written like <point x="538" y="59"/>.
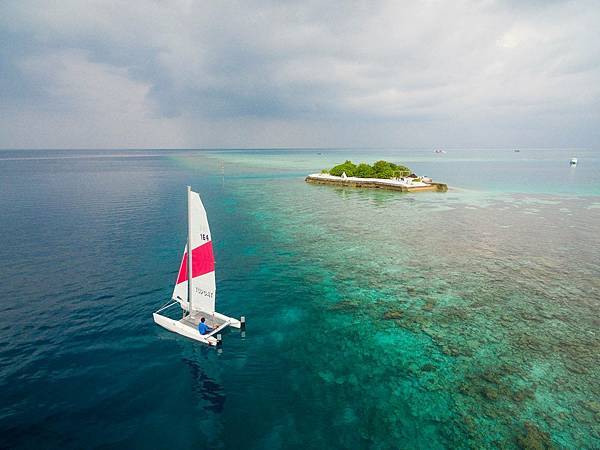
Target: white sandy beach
<point x="390" y="182"/>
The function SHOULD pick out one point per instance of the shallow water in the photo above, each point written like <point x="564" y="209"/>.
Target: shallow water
<point x="375" y="319"/>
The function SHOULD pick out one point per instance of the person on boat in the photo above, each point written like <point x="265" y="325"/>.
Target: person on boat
<point x="202" y="327"/>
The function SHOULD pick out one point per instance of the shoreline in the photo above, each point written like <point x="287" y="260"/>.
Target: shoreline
<point x="376" y="183"/>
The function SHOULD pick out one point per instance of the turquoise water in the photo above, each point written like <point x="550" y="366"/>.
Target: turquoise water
<point x="375" y="319"/>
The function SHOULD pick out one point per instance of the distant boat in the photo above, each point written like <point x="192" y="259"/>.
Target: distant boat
<point x="573" y="161"/>
<point x="517" y="151"/>
<point x="439" y="151"/>
<point x="195" y="287"/>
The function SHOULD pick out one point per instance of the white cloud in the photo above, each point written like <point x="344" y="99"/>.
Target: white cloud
<point x="278" y="71"/>
<point x="88" y="105"/>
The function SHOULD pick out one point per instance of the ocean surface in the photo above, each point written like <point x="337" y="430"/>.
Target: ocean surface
<point x="376" y="319"/>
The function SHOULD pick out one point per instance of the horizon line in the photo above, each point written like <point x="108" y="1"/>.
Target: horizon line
<point x="454" y="147"/>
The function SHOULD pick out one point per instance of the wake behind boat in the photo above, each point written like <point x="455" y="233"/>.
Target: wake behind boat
<point x="197" y="297"/>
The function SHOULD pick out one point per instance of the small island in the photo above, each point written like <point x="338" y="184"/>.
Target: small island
<point x="381" y="175"/>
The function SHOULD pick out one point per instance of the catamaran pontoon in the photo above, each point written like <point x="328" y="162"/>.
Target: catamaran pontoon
<point x="197" y="296"/>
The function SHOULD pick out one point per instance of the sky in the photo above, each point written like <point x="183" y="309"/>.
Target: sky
<point x="313" y="73"/>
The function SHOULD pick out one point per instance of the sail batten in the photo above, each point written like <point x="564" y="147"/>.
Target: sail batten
<point x="203" y="262"/>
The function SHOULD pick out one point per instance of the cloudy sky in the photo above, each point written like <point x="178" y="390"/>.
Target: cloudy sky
<point x="314" y="73"/>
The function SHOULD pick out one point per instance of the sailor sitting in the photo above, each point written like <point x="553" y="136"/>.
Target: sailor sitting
<point x="202" y="327"/>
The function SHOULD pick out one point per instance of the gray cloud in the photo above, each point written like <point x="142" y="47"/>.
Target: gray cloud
<point x="263" y="73"/>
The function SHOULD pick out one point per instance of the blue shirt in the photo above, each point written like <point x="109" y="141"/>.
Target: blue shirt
<point x="203" y="328"/>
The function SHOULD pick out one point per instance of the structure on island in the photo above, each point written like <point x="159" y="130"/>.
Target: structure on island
<point x="381" y="175"/>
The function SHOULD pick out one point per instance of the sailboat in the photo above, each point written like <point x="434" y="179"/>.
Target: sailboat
<point x="195" y="287"/>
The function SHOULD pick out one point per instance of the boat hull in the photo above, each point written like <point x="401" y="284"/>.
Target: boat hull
<point x="188" y="325"/>
<point x="183" y="329"/>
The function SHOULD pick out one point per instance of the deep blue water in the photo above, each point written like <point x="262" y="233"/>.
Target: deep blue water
<point x="375" y="319"/>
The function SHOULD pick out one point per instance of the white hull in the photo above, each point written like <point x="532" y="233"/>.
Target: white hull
<point x="185" y="330"/>
<point x="188" y="326"/>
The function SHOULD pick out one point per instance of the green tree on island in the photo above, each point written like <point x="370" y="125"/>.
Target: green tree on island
<point x="381" y="169"/>
<point x="364" y="170"/>
<point x="348" y="167"/>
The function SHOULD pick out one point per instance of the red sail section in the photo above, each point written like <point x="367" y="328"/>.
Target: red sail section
<point x="203" y="261"/>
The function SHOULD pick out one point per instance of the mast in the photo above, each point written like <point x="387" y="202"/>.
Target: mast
<point x="189" y="246"/>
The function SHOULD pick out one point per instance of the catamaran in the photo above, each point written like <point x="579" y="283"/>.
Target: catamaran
<point x="195" y="288"/>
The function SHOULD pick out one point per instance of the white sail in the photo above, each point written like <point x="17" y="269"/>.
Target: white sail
<point x="203" y="262"/>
